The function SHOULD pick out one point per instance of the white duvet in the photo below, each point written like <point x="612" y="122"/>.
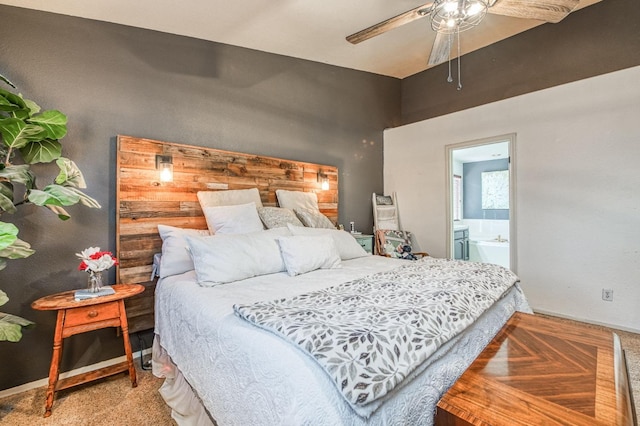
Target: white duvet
<point x="247" y="376"/>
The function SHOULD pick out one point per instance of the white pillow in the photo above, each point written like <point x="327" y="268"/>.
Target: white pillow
<point x="236" y="219"/>
<point x="175" y="257"/>
<point x="297" y="199"/>
<point x="220" y="259"/>
<point x="313" y="218"/>
<point x="231" y="197"/>
<point x="302" y="254"/>
<point x="347" y="246"/>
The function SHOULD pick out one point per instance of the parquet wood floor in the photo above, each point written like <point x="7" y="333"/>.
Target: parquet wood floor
<point x="540" y="371"/>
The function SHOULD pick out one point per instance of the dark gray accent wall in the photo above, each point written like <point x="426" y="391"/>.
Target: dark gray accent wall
<point x="599" y="39"/>
<point x="112" y="79"/>
<point x="472" y="189"/>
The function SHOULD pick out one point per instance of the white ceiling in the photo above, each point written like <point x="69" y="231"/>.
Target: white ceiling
<point x="492" y="151"/>
<point x="299" y="28"/>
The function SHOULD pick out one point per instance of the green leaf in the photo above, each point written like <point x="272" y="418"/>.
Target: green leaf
<point x="19" y="174"/>
<point x="11" y="327"/>
<point x="53" y="122"/>
<point x="6" y="188"/>
<point x="16" y="133"/>
<point x="44" y="151"/>
<point x="70" y="174"/>
<point x="3" y="264"/>
<point x="32" y="107"/>
<point x="62" y="213"/>
<point x="6" y="197"/>
<point x="8" y="234"/>
<point x="13" y="99"/>
<point x="9" y="332"/>
<point x="85" y="199"/>
<point x="54" y="195"/>
<point x="18" y="250"/>
<point x="8" y="106"/>
<point x="3" y="298"/>
<point x="6" y="203"/>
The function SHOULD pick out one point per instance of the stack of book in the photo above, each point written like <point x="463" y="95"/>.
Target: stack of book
<point x="85" y="294"/>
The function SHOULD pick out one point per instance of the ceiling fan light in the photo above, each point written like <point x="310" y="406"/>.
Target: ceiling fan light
<point x="449" y="17"/>
<point x="450" y="6"/>
<point x="475" y="8"/>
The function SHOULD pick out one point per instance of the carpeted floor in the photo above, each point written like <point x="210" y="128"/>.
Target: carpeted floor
<point x="111" y="401"/>
<point x="114" y="402"/>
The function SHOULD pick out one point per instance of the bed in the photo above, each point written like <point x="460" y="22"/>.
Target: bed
<point x="226" y="356"/>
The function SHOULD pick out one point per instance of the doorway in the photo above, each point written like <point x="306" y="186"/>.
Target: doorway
<point x="481" y="212"/>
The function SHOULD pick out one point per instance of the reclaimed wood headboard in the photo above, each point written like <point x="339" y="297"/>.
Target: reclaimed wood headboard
<point x="143" y="201"/>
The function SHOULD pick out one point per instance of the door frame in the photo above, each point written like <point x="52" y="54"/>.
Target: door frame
<point x="513" y="237"/>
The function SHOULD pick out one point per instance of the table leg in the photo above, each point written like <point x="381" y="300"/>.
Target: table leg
<point x="54" y="369"/>
<point x="124" y="325"/>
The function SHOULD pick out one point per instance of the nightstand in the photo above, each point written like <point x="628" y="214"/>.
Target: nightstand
<point x="365" y="240"/>
<point x="76" y="317"/>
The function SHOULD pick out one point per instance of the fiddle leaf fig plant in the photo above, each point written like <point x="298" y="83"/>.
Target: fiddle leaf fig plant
<point x="29" y="136"/>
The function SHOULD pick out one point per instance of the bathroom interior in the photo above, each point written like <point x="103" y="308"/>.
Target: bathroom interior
<point x="480" y="203"/>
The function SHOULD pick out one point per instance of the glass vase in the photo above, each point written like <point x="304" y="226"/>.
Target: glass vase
<point x="94" y="284"/>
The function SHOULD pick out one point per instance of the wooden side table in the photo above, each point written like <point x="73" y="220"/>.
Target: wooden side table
<point x="76" y="317"/>
<point x="365" y="240"/>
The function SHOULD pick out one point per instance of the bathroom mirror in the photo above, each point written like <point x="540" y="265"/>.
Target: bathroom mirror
<point x="495" y="190"/>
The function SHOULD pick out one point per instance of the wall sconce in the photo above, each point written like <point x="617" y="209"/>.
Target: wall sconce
<point x="324" y="180"/>
<point x="164" y="163"/>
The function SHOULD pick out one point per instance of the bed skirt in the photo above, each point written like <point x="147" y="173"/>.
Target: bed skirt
<point x="186" y="407"/>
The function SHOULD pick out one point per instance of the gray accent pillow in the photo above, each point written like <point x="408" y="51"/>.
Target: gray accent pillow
<point x="313" y="219"/>
<point x="277" y="217"/>
<point x="384" y="200"/>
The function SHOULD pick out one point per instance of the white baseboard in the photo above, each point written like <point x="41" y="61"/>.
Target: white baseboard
<point x="45" y="381"/>
<point x="588" y="321"/>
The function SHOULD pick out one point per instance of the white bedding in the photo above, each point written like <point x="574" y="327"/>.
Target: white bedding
<point x="247" y="376"/>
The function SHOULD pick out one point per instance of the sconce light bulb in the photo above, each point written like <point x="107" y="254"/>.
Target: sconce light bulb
<point x="166" y="173"/>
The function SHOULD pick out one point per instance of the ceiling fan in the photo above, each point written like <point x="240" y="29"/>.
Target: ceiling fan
<point x="450" y="17"/>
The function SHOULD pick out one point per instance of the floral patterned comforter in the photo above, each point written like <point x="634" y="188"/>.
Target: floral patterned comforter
<point x="370" y="334"/>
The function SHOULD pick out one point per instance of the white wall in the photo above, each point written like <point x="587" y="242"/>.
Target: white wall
<point x="578" y="190"/>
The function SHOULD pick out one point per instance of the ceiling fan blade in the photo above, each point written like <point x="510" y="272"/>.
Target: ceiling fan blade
<point x="543" y="10"/>
<point x="391" y="23"/>
<point x="441" y="49"/>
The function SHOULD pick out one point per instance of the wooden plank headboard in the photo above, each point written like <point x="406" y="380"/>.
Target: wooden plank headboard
<point x="143" y="201"/>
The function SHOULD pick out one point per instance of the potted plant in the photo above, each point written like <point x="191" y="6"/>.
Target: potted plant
<point x="29" y="136"/>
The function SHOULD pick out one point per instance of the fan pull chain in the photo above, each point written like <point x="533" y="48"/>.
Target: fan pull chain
<point x="459" y="74"/>
<point x="450" y="79"/>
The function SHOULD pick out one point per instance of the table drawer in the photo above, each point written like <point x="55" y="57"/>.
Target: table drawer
<point x="91" y="314"/>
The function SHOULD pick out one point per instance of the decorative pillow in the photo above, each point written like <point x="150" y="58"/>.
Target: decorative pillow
<point x="235" y="219"/>
<point x="384" y="200"/>
<point x="314" y="219"/>
<point x="175" y="257"/>
<point x="394" y="243"/>
<point x="277" y="217"/>
<point x="220" y="259"/>
<point x="297" y="199"/>
<point x="347" y="246"/>
<point x="302" y="254"/>
<point x="231" y="197"/>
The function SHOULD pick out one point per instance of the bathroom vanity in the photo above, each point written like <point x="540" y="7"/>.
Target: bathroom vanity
<point x="461" y="242"/>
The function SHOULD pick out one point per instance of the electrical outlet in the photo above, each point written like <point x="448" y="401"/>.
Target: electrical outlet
<point x="607" y="294"/>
